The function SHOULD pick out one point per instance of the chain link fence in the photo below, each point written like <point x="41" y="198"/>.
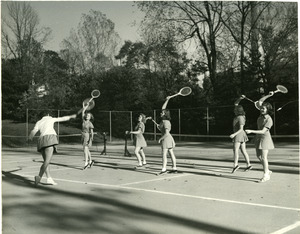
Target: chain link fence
<point x="192" y="124"/>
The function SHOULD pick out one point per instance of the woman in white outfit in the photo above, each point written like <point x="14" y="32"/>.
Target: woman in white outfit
<point x="47" y="143"/>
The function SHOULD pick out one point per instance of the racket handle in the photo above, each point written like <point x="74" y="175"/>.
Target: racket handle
<point x="154" y="122"/>
<point x="79" y="112"/>
<point x="248" y="99"/>
<point x="174" y="95"/>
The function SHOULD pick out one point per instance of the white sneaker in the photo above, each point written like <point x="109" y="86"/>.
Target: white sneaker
<point x="264" y="179"/>
<point x="270" y="172"/>
<point x="51" y="181"/>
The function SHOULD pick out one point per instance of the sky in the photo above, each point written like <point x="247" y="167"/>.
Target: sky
<point x="62" y="16"/>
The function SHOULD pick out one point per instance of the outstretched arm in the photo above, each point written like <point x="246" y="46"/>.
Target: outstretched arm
<point x="261" y="132"/>
<point x="65" y="118"/>
<point x="85" y="106"/>
<point x="164" y="106"/>
<point x="236" y="103"/>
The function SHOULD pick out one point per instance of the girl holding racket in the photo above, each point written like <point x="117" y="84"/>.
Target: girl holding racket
<point x="47" y="143"/>
<point x="87" y="135"/>
<point x="263" y="139"/>
<point x="139" y="140"/>
<point x="239" y="137"/>
<point x="166" y="139"/>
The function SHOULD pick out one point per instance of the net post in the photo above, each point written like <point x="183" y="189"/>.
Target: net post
<point x="27" y="126"/>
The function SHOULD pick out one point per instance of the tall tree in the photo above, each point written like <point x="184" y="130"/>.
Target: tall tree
<point x="20" y="31"/>
<point x="185" y="21"/>
<point x="240" y="18"/>
<point x="93" y="45"/>
<point x="279" y="39"/>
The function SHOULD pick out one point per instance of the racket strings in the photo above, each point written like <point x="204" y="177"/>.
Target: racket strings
<point x="185" y="91"/>
<point x="281" y="89"/>
<point x="95" y="93"/>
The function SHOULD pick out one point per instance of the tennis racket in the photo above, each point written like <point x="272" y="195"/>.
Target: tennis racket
<point x="281" y="89"/>
<point x="243" y="96"/>
<point x="185" y="91"/>
<point x="152" y="120"/>
<point x="95" y="94"/>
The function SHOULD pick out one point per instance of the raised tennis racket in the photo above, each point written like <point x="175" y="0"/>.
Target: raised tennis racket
<point x="95" y="94"/>
<point x="152" y="120"/>
<point x="185" y="91"/>
<point x="281" y="89"/>
<point x="247" y="98"/>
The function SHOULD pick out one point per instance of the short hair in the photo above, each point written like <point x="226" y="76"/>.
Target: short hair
<point x="167" y="115"/>
<point x="269" y="107"/>
<point x="239" y="110"/>
<point x="85" y="115"/>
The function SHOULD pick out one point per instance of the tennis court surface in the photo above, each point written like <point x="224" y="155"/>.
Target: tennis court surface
<point x="113" y="197"/>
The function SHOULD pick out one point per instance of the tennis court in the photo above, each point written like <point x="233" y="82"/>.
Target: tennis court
<point x="113" y="197"/>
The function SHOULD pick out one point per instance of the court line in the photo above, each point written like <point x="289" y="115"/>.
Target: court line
<point x="25" y="160"/>
<point x="176" y="194"/>
<point x="146" y="181"/>
<point x="288" y="228"/>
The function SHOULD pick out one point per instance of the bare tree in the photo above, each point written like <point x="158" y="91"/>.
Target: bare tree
<point x="20" y="30"/>
<point x="186" y="20"/>
<point x="240" y="18"/>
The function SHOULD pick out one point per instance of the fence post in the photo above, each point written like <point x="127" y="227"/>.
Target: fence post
<point x="179" y="126"/>
<point x="207" y="121"/>
<point x="154" y="116"/>
<point x="274" y="119"/>
<point x="131" y="135"/>
<point x="110" y="126"/>
<point x="27" y="126"/>
<point x="58" y="126"/>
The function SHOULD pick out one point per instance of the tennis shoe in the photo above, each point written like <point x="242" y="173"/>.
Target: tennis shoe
<point x="91" y="164"/>
<point x="248" y="168"/>
<point x="51" y="181"/>
<point x="270" y="172"/>
<point x="85" y="166"/>
<point x="138" y="167"/>
<point x="162" y="172"/>
<point x="264" y="179"/>
<point x="37" y="180"/>
<point x="173" y="171"/>
<point x="235" y="169"/>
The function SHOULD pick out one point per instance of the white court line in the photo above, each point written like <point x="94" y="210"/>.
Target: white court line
<point x="176" y="194"/>
<point x="25" y="160"/>
<point x="288" y="228"/>
<point x="51" y="170"/>
<point x="158" y="179"/>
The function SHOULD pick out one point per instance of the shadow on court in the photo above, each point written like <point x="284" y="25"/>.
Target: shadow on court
<point x="63" y="211"/>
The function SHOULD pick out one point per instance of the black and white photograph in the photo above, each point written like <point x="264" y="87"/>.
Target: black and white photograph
<point x="149" y="117"/>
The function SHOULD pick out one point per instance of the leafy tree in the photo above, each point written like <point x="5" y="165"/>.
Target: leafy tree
<point x="279" y="39"/>
<point x="93" y="45"/>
